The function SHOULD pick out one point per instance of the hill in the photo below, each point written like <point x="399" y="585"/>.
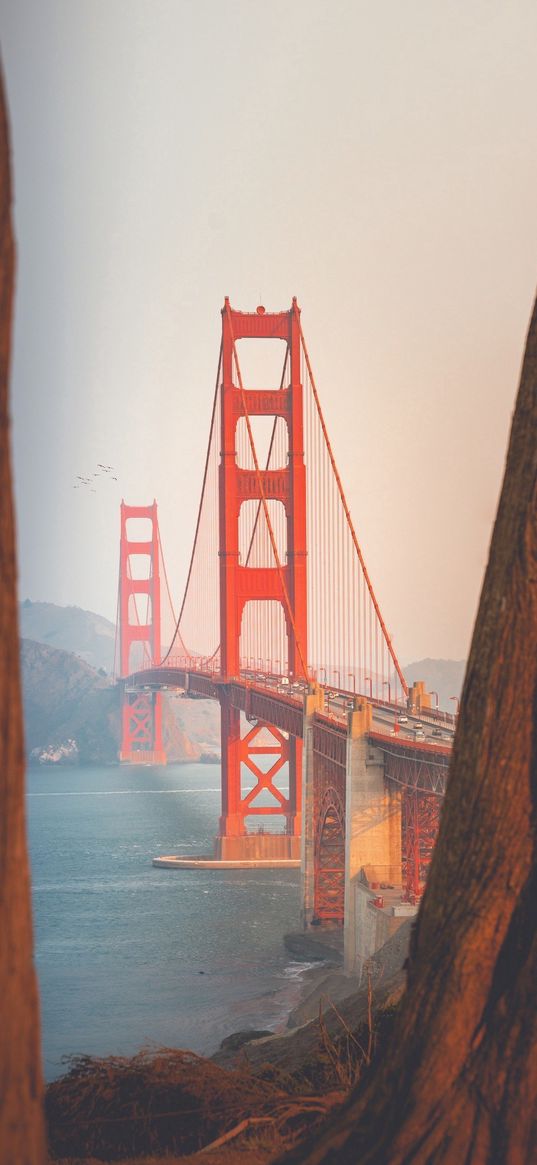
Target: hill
<point x="72" y="714"/>
<point x="70" y="711"/>
<point x="84" y="633"/>
<point x="444" y="676"/>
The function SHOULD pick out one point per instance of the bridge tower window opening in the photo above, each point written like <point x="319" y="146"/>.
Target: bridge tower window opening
<point x="140" y="566"/>
<point x="264" y="639"/>
<point x="140" y="610"/>
<point x="263" y="366"/>
<point x="271" y="442"/>
<point x="255" y="546"/>
<point x="138" y="529"/>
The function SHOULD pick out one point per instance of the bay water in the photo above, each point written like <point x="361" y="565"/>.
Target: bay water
<point x="129" y="955"/>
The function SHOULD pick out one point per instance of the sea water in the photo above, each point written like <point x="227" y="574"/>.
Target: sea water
<point x="129" y="955"/>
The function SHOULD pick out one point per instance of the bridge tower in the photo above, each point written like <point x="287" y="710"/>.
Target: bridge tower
<point x="141" y="711"/>
<point x="284" y="583"/>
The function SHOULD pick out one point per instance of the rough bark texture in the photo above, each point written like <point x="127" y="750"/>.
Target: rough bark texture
<point x="22" y="1140"/>
<point x="459" y="1085"/>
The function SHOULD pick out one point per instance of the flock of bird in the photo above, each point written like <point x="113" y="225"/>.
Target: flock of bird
<point x="101" y="471"/>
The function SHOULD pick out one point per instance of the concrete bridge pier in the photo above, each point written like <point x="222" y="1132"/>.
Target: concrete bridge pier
<point x="351" y="839"/>
<point x="373" y="859"/>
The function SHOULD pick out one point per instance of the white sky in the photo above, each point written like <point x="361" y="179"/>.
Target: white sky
<point x="379" y="161"/>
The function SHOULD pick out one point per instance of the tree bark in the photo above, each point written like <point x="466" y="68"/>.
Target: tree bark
<point x="22" y="1138"/>
<point x="458" y="1084"/>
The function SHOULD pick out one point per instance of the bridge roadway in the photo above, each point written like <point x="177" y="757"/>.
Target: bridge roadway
<point x="279" y="701"/>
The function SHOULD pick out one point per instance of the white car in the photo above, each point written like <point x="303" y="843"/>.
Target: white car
<point x="402" y="719"/>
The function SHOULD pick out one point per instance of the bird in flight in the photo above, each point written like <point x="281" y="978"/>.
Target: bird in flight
<point x="101" y="471"/>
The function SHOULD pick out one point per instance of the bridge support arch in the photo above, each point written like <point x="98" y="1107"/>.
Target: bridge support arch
<point x="329" y="860"/>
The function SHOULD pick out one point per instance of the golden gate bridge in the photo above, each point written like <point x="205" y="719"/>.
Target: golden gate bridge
<point x="322" y="741"/>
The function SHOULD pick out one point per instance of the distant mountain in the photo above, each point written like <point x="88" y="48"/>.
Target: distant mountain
<point x="85" y="634"/>
<point x="444" y="676"/>
<point x="193" y="726"/>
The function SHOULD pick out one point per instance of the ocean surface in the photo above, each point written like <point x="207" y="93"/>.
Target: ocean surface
<point x="129" y="955"/>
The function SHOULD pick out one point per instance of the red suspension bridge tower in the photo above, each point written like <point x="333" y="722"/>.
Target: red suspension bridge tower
<point x="141" y="714"/>
<point x="283" y="582"/>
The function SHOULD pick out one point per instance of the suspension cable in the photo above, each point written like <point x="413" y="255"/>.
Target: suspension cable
<point x="118" y="616"/>
<point x="198" y="522"/>
<point x="163" y="560"/>
<point x="339" y="483"/>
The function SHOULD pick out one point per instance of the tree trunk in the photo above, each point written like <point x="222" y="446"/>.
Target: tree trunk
<point x="22" y="1139"/>
<point x="458" y="1083"/>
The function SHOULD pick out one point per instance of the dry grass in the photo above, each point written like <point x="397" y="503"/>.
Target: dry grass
<point x="176" y="1107"/>
<point x="173" y="1102"/>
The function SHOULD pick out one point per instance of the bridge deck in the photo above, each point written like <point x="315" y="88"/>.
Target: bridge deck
<point x="282" y="704"/>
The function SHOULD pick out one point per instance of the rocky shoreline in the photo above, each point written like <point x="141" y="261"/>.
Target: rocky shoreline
<point x="327" y="991"/>
<point x="114" y="1108"/>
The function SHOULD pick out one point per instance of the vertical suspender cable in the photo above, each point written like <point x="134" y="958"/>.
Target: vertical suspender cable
<point x="349" y="520"/>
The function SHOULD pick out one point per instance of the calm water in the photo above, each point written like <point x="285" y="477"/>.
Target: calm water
<point x="120" y="945"/>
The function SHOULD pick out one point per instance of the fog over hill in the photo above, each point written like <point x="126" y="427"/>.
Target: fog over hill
<point x="85" y="634"/>
<point x="71" y="713"/>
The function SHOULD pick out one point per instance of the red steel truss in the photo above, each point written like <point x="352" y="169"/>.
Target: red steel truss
<point x="420" y="824"/>
<point x="422" y="779"/>
<point x="329" y="751"/>
<point x="141" y="719"/>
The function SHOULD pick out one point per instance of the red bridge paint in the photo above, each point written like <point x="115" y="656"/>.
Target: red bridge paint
<point x="331" y="628"/>
<point x="239" y="584"/>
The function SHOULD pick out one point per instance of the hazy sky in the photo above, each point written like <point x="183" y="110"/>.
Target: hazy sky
<point x="379" y="161"/>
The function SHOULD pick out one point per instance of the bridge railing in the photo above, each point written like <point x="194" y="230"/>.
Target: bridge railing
<point x="437" y="715"/>
<point x="269" y="673"/>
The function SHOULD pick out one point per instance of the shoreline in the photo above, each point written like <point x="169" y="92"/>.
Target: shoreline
<point x="321" y="985"/>
<point x="313" y="976"/>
